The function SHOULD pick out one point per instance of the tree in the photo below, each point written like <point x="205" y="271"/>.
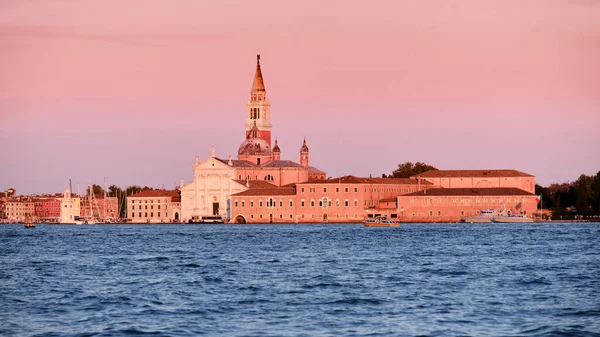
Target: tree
<point x="98" y="190"/>
<point x="583" y="194"/>
<point x="114" y="191"/>
<point x="408" y="169"/>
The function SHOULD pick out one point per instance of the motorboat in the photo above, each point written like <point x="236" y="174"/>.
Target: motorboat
<point x="485" y="216"/>
<point x="381" y="221"/>
<point x="513" y="218"/>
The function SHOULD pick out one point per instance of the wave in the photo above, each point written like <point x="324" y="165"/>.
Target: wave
<point x="323" y="285"/>
<point x="358" y="301"/>
<point x="156" y="258"/>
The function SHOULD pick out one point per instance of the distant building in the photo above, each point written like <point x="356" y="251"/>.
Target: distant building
<point x="11" y="192"/>
<point x="19" y="208"/>
<point x="340" y="200"/>
<point x="454" y="204"/>
<point x="260" y="187"/>
<point x="154" y="206"/>
<point x="207" y="198"/>
<point x="70" y="208"/>
<point x="47" y="208"/>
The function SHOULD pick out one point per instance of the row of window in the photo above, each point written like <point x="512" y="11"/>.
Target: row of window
<point x="145" y="214"/>
<point x="462" y="213"/>
<point x="337" y="190"/>
<point x="324" y="203"/>
<point x="325" y="216"/>
<point x="159" y="201"/>
<point x="346" y="190"/>
<point x="145" y="207"/>
<point x="269" y="203"/>
<point x="430" y="201"/>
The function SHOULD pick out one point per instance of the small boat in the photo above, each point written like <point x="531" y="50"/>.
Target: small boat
<point x="513" y="218"/>
<point x="381" y="221"/>
<point x="29" y="222"/>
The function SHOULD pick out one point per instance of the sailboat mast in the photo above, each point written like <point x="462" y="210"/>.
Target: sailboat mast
<point x="104" y="208"/>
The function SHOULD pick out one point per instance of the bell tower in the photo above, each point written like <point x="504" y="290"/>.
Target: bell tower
<point x="258" y="108"/>
<point x="304" y="154"/>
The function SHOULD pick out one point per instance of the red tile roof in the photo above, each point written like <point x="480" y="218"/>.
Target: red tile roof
<point x="267" y="192"/>
<point x="155" y="193"/>
<point x="471" y="173"/>
<point x="256" y="183"/>
<point x="356" y="180"/>
<point x="491" y="191"/>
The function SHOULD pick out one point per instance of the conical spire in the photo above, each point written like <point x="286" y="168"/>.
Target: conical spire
<point x="276" y="147"/>
<point x="258" y="85"/>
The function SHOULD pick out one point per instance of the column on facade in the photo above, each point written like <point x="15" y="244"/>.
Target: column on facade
<point x="195" y="210"/>
<point x="221" y="194"/>
<point x="206" y="176"/>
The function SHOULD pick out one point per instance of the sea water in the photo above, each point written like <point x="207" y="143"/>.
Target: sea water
<point x="300" y="280"/>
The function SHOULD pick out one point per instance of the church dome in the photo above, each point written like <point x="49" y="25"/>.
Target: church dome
<point x="254" y="146"/>
<point x="276" y="147"/>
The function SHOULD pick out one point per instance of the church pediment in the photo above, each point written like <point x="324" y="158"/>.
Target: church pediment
<point x="212" y="164"/>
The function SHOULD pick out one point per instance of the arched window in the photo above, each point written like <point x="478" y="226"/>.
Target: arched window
<point x="269" y="177"/>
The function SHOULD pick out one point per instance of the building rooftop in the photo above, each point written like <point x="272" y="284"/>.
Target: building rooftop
<point x="256" y="184"/>
<point x="493" y="191"/>
<point x="267" y="191"/>
<point x="315" y="170"/>
<point x="281" y="163"/>
<point x="237" y="163"/>
<point x="350" y="179"/>
<point x="471" y="173"/>
<point x="155" y="193"/>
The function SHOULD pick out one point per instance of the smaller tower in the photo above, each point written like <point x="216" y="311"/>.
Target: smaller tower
<point x="304" y="154"/>
<point x="276" y="151"/>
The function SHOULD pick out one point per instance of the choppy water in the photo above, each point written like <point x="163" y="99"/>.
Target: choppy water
<point x="278" y="280"/>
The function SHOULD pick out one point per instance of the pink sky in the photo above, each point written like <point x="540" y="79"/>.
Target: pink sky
<point x="135" y="90"/>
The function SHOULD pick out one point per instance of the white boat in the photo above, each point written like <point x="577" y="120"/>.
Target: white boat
<point x="29" y="221"/>
<point x="485" y="216"/>
<point x="381" y="221"/>
<point x="513" y="218"/>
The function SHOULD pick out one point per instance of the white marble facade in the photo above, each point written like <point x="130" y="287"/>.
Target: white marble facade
<point x="208" y="194"/>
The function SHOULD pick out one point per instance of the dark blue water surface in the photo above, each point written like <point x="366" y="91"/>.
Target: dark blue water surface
<point x="291" y="280"/>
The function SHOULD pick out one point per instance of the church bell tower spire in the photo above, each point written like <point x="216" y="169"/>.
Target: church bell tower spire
<point x="258" y="108"/>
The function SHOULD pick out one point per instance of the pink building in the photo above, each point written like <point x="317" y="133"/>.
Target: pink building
<point x="47" y="209"/>
<point x="340" y="200"/>
<point x="352" y="199"/>
<point x="454" y="204"/>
